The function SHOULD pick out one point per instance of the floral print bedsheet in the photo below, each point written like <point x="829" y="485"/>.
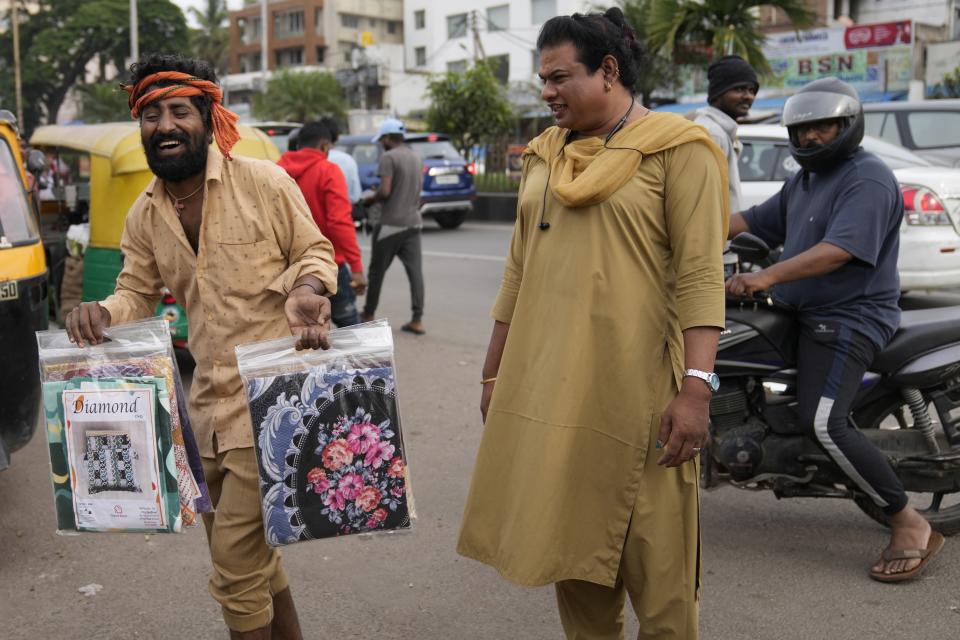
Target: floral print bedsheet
<point x="330" y="453"/>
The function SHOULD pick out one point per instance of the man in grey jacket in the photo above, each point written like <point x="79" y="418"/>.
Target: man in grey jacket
<point x="732" y="89"/>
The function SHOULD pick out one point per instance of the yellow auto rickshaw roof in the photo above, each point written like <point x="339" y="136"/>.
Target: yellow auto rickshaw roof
<point x="9" y="133"/>
<point x="119" y="142"/>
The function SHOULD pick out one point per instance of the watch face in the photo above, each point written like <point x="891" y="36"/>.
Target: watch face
<point x="714" y="381"/>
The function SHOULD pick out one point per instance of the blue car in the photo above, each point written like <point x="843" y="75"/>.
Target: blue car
<point x="448" y="191"/>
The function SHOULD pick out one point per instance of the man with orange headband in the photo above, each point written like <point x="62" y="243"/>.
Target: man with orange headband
<point x="234" y="240"/>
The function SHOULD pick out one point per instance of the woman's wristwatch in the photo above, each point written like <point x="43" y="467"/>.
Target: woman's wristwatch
<point x="711" y="379"/>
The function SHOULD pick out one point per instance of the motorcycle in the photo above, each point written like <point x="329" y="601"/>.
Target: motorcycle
<point x="908" y="406"/>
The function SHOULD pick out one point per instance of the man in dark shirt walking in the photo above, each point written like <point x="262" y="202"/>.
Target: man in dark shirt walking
<point x="839" y="222"/>
<point x="398" y="233"/>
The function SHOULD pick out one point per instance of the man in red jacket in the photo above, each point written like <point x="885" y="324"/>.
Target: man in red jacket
<point x="325" y="190"/>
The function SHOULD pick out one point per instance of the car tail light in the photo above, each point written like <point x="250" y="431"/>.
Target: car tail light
<point x="472" y="168"/>
<point x="168" y="299"/>
<point x="432" y="137"/>
<point x="922" y="207"/>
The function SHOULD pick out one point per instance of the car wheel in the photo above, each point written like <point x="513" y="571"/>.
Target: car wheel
<point x="450" y="219"/>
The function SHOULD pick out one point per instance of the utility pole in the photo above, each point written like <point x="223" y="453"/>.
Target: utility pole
<point x="134" y="34"/>
<point x="264" y="57"/>
<point x="477" y="43"/>
<point x="16" y="61"/>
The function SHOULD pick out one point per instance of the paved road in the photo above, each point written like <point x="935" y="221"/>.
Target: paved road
<point x="785" y="570"/>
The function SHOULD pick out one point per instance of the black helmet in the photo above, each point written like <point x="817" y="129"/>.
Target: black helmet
<point x="825" y="99"/>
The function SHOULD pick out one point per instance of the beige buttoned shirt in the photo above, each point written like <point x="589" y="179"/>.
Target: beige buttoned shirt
<point x="256" y="239"/>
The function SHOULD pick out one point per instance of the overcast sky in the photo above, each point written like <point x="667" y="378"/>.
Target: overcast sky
<point x="199" y="4"/>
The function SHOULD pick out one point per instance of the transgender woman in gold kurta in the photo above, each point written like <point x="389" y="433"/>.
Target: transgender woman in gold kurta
<point x="595" y="306"/>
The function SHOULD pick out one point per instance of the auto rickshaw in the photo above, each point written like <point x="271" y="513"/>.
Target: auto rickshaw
<point x="23" y="297"/>
<point x="99" y="170"/>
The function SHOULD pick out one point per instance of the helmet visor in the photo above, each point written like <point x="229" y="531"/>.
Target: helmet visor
<point x="818" y="105"/>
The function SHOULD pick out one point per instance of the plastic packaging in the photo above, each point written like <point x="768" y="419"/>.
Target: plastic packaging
<point x="326" y="428"/>
<point x="122" y="453"/>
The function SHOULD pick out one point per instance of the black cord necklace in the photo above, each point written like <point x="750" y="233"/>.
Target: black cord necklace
<point x="623" y="121"/>
<point x="544" y="225"/>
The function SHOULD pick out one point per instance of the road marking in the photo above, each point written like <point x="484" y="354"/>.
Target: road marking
<point x="449" y="254"/>
<point x="464" y="256"/>
<point x="487" y="226"/>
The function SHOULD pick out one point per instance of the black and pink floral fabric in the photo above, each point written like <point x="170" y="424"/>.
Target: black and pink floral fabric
<point x="330" y="453"/>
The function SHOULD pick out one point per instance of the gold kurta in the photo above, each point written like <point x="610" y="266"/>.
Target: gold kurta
<point x="596" y="306"/>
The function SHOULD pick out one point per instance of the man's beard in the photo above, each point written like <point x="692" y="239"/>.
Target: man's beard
<point x="177" y="168"/>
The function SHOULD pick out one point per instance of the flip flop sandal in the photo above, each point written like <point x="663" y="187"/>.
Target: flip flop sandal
<point x="410" y="329"/>
<point x="925" y="555"/>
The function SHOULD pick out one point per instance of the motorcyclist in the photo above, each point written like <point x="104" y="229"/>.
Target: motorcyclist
<point x="839" y="221"/>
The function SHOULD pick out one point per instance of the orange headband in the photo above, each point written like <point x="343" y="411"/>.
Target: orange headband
<point x="224" y="121"/>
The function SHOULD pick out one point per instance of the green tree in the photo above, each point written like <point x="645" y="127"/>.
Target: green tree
<point x="62" y="37"/>
<point x="300" y="97"/>
<point x="210" y="42"/>
<point x="471" y="107"/>
<point x="685" y="30"/>
<point x="103" y="102"/>
<point x="949" y="87"/>
<point x="657" y="71"/>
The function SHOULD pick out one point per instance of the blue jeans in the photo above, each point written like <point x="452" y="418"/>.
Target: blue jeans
<point x="343" y="306"/>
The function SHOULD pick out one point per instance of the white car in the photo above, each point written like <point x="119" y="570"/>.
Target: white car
<point x="930" y="234"/>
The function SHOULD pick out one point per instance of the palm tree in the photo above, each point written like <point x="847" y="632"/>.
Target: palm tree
<point x="103" y="102"/>
<point x="656" y="70"/>
<point x="210" y="42"/>
<point x="686" y="29"/>
<point x="300" y="96"/>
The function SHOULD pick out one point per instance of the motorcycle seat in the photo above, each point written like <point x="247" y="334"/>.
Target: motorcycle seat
<point x="920" y="332"/>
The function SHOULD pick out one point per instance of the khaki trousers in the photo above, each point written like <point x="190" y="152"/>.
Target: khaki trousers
<point x="246" y="571"/>
<point x="659" y="567"/>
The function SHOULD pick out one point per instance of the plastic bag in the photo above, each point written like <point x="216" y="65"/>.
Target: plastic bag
<point x="122" y="454"/>
<point x="326" y="428"/>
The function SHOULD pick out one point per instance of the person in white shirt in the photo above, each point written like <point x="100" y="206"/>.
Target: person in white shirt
<point x="732" y="90"/>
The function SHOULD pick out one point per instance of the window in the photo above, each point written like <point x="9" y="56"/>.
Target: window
<point x="392" y="26"/>
<point x="420" y="19"/>
<point x="318" y="20"/>
<point x="349" y="21"/>
<point x="16" y="217"/>
<point x="931" y="129"/>
<point x="766" y="161"/>
<point x="321" y="54"/>
<point x="542" y="10"/>
<point x="498" y="18"/>
<point x="288" y="24"/>
<point x="366" y="153"/>
<point x="438" y="150"/>
<point x="873" y="124"/>
<point x="250" y="62"/>
<point x="501" y="67"/>
<point x="347" y="48"/>
<point x="882" y="125"/>
<point x="457" y="25"/>
<point x="292" y="57"/>
<point x="457" y="66"/>
<point x="249" y="30"/>
<point x="420" y="55"/>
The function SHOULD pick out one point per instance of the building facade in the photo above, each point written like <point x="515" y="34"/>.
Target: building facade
<point x="442" y="36"/>
<point x="358" y="40"/>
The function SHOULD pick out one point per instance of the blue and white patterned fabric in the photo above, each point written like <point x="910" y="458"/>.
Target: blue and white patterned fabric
<point x="330" y="453"/>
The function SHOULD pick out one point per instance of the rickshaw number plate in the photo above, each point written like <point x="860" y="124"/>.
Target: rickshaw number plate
<point x="9" y="290"/>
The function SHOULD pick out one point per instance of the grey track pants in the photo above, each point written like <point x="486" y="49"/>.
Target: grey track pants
<point x="406" y="246"/>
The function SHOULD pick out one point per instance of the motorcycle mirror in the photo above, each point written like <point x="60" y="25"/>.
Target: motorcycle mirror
<point x="36" y="162"/>
<point x="749" y="247"/>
